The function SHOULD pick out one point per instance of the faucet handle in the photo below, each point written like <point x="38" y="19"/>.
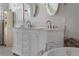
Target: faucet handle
<point x="49" y="24"/>
<point x="29" y="24"/>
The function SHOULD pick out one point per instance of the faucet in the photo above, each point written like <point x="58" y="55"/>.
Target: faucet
<point x="49" y="24"/>
<point x="29" y="24"/>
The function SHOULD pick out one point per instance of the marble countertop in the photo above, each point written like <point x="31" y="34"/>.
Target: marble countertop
<point x="41" y="28"/>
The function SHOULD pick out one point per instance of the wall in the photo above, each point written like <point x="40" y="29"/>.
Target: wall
<point x="72" y="20"/>
<point x="67" y="14"/>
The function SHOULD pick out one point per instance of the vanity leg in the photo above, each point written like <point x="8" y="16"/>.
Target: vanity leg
<point x="15" y="54"/>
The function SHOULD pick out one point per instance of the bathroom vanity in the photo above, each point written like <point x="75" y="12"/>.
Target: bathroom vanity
<point x="32" y="42"/>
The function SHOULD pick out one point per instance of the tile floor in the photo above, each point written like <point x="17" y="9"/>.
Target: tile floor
<point x="5" y="51"/>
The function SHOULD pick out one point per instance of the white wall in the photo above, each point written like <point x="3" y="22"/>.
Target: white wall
<point x="72" y="20"/>
<point x="67" y="14"/>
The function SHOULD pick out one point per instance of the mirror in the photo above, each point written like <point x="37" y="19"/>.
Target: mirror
<point x="29" y="9"/>
<point x="52" y="8"/>
<point x="32" y="9"/>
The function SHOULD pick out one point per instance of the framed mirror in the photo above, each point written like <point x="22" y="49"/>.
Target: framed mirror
<point x="29" y="9"/>
<point x="52" y="8"/>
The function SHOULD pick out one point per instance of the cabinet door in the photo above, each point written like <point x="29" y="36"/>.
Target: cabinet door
<point x="38" y="42"/>
<point x="42" y="40"/>
<point x="14" y="41"/>
<point x="17" y="41"/>
<point x="55" y="38"/>
<point x="26" y="43"/>
<point x="34" y="40"/>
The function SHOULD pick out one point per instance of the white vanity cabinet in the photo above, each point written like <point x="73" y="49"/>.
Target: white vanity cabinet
<point x="31" y="42"/>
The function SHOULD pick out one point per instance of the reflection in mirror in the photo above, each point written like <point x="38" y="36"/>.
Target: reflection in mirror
<point x="29" y="9"/>
<point x="52" y="8"/>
